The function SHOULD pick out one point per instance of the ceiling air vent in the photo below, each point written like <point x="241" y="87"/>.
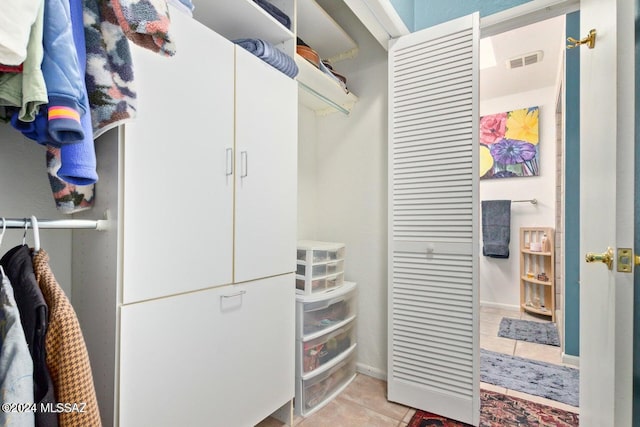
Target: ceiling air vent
<point x="524" y="60"/>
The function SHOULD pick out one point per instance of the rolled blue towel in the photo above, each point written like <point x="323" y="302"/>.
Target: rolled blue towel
<point x="272" y="10"/>
<point x="269" y="54"/>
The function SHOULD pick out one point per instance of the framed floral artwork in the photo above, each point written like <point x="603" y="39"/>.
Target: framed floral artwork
<point x="509" y="144"/>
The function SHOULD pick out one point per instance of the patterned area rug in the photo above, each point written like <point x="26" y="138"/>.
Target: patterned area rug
<point x="499" y="410"/>
<point x="530" y="331"/>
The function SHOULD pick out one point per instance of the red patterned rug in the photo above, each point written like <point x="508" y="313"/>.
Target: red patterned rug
<point x="499" y="410"/>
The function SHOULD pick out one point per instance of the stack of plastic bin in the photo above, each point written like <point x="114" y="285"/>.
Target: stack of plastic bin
<point x="325" y="325"/>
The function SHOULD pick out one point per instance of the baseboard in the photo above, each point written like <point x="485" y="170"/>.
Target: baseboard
<point x="371" y="371"/>
<point x="571" y="360"/>
<point x="499" y="305"/>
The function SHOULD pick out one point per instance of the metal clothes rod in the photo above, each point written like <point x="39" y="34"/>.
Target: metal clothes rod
<point x="532" y="201"/>
<point x="87" y="224"/>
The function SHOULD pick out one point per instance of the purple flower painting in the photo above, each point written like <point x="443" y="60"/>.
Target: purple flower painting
<point x="509" y="144"/>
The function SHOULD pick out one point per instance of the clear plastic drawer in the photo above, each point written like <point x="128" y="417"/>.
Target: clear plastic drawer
<point x="317" y="352"/>
<point x="315" y="392"/>
<point x="313" y="252"/>
<point x="321" y="284"/>
<point x="318" y="313"/>
<point x="317" y="270"/>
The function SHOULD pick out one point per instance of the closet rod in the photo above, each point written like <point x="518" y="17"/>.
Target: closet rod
<point x="532" y="201"/>
<point x="88" y="224"/>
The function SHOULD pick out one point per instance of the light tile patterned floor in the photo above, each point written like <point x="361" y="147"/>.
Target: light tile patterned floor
<point x="363" y="403"/>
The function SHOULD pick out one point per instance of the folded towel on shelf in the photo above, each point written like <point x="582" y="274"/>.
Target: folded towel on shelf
<point x="146" y="23"/>
<point x="272" y="10"/>
<point x="496" y="228"/>
<point x="269" y="54"/>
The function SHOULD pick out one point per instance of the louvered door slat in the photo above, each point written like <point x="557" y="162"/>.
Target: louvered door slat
<point x="433" y="220"/>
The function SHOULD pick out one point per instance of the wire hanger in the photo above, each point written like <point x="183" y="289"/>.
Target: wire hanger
<point x="36" y="234"/>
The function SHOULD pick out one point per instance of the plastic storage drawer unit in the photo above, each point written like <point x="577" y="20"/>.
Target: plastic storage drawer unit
<point x="316" y="391"/>
<point x="314" y="252"/>
<point x="319" y="285"/>
<point x="317" y="352"/>
<point x="314" y="271"/>
<point x="320" y="266"/>
<point x="317" y="313"/>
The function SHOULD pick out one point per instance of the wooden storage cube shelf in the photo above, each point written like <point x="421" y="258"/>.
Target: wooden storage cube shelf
<point x="537" y="276"/>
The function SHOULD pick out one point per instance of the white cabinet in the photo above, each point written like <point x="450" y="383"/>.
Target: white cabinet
<point x="178" y="195"/>
<point x="266" y="172"/>
<point x="202" y="186"/>
<point x="198" y="114"/>
<point x="219" y="357"/>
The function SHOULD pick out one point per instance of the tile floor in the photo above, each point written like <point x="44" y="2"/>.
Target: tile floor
<point x="363" y="402"/>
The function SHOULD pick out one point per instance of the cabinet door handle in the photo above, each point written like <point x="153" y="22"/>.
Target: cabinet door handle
<point x="244" y="164"/>
<point x="237" y="294"/>
<point x="229" y="161"/>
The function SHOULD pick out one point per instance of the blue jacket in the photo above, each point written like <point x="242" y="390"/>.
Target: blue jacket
<point x="62" y="74"/>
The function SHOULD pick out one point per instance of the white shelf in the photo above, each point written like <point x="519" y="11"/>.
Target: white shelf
<point x="320" y="92"/>
<point x="322" y="33"/>
<point x="235" y="19"/>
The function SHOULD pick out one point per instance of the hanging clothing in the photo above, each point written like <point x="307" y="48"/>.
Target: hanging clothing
<point x="33" y="309"/>
<point x="16" y="366"/>
<point x="27" y="90"/>
<point x="67" y="356"/>
<point x="79" y="160"/>
<point x="65" y="84"/>
<point x="109" y="76"/>
<point x="66" y="121"/>
<point x="146" y="23"/>
<point x="69" y="198"/>
<point x="15" y="25"/>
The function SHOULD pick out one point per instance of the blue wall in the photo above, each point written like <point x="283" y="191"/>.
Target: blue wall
<point x="572" y="193"/>
<point x="405" y="9"/>
<point x="431" y="12"/>
<point x="419" y="14"/>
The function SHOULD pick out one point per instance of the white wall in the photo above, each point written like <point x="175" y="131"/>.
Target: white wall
<point x="350" y="185"/>
<point x="307" y="174"/>
<point x="499" y="278"/>
<point x="25" y="191"/>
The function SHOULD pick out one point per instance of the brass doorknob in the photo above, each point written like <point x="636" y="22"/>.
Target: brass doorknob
<point x="606" y="257"/>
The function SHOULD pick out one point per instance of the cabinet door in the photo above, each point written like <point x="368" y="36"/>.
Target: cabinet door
<point x="266" y="179"/>
<point x="220" y="357"/>
<point x="178" y="194"/>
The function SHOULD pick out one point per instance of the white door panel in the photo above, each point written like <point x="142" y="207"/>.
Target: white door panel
<point x="266" y="172"/>
<point x="178" y="198"/>
<point x="606" y="211"/>
<point x="433" y="220"/>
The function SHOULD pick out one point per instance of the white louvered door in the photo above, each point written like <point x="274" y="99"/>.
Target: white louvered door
<point x="433" y="359"/>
